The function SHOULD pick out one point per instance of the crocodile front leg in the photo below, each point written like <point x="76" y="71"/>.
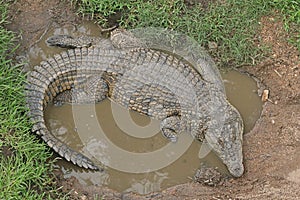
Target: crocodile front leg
<point x="170" y="128"/>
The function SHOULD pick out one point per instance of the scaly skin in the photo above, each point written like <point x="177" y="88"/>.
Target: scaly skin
<point x="150" y="82"/>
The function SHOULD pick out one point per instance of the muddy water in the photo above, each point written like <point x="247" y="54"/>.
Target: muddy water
<point x="134" y="162"/>
<point x="241" y="91"/>
<point x="62" y="120"/>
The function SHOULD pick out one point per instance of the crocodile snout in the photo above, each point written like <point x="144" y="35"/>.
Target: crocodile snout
<point x="236" y="170"/>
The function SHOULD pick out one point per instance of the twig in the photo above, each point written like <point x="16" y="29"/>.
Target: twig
<point x="277" y="73"/>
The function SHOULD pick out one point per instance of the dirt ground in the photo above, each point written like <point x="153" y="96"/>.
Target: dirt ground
<point x="271" y="149"/>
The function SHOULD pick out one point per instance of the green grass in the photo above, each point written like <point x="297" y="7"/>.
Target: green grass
<point x="291" y="12"/>
<point x="24" y="165"/>
<point x="232" y="24"/>
<point x="290" y="9"/>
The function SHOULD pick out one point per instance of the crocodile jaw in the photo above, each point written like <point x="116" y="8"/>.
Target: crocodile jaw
<point x="226" y="142"/>
<point x="233" y="159"/>
<point x="236" y="170"/>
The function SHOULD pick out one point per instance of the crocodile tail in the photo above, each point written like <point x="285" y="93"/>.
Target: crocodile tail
<point x="44" y="83"/>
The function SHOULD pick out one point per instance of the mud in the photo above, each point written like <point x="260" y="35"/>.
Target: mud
<point x="271" y="148"/>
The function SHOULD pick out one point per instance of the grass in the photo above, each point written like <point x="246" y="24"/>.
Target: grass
<point x="231" y="24"/>
<point x="290" y="9"/>
<point x="291" y="12"/>
<point x="24" y="165"/>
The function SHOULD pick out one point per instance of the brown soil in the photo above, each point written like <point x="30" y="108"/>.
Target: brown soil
<point x="271" y="149"/>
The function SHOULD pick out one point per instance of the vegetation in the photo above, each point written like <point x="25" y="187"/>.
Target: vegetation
<point x="230" y="24"/>
<point x="24" y="165"/>
<point x="291" y="12"/>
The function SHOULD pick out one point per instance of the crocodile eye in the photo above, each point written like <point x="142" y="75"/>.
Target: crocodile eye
<point x="233" y="137"/>
<point x="221" y="142"/>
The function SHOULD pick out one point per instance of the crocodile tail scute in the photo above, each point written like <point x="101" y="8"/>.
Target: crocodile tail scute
<point x="66" y="152"/>
<point x="44" y="83"/>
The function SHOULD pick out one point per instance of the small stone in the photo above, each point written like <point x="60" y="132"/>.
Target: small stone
<point x="265" y="95"/>
<point x="212" y="45"/>
<point x="208" y="176"/>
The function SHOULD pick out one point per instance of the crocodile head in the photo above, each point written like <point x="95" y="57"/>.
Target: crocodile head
<point x="226" y="138"/>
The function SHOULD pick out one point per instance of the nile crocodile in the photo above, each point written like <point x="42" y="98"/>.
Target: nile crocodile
<point x="151" y="82"/>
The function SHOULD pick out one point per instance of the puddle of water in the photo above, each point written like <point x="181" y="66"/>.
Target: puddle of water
<point x="83" y="135"/>
<point x="241" y="91"/>
<point x="60" y="119"/>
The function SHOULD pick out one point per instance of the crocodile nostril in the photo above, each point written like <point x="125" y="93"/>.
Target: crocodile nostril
<point x="237" y="170"/>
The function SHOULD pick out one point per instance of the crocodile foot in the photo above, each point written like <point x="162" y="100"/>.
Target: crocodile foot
<point x="170" y="128"/>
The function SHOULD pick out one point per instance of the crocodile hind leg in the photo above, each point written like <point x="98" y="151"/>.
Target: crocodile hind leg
<point x="120" y="38"/>
<point x="170" y="128"/>
<point x="91" y="90"/>
<point x="67" y="41"/>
